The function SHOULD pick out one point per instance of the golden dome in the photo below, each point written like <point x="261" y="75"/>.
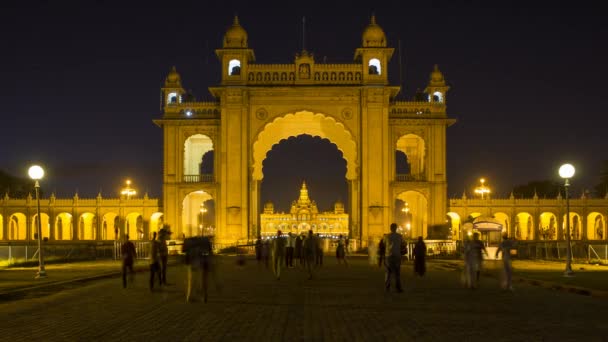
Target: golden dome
<point x="173" y="77"/>
<point x="236" y="36"/>
<point x="437" y="77"/>
<point x="373" y="35"/>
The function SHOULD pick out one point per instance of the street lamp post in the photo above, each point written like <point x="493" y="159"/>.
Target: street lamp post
<point x="408" y="224"/>
<point x="566" y="171"/>
<point x="482" y="189"/>
<point x="128" y="191"/>
<point x="36" y="173"/>
<point x="203" y="211"/>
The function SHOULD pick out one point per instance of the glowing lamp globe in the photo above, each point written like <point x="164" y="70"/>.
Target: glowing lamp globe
<point x="566" y="171"/>
<point x="35" y="172"/>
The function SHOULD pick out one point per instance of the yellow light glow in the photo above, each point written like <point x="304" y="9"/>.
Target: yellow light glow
<point x="566" y="171"/>
<point x="482" y="189"/>
<point x="35" y="172"/>
<point x="128" y="191"/>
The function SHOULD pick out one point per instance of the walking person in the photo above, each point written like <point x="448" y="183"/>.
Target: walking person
<point x="163" y="235"/>
<point x="308" y="251"/>
<point x="289" y="250"/>
<point x="154" y="259"/>
<point x="127" y="251"/>
<point x="299" y="251"/>
<point x="319" y="250"/>
<point x="258" y="250"/>
<point x="393" y="242"/>
<point x="381" y="252"/>
<point x="419" y="257"/>
<point x="473" y="255"/>
<point x="505" y="248"/>
<point x="341" y="250"/>
<point x="265" y="252"/>
<point x="199" y="253"/>
<point x="278" y="254"/>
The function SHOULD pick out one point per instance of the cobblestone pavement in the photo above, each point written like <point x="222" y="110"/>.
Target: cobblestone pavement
<point x="339" y="304"/>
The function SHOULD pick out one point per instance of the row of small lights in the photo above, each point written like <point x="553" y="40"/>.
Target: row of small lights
<point x="284" y="236"/>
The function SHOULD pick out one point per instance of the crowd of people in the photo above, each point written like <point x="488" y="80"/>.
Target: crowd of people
<point x="296" y="250"/>
<point x="304" y="251"/>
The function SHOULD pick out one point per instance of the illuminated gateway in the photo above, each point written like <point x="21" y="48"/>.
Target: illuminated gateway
<point x="304" y="216"/>
<point x="214" y="151"/>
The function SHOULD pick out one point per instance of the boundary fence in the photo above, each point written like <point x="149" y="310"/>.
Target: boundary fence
<point x="17" y="252"/>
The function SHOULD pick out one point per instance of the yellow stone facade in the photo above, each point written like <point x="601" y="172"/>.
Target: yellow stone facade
<point x="304" y="216"/>
<point x="80" y="219"/>
<point x="257" y="105"/>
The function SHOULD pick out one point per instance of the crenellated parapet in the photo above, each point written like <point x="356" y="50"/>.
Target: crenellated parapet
<point x="305" y="73"/>
<point x="195" y="110"/>
<point x="416" y="109"/>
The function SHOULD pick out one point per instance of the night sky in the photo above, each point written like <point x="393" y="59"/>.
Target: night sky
<point x="81" y="82"/>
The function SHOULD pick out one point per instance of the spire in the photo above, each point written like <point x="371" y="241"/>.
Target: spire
<point x="303" y="194"/>
<point x="235" y="22"/>
<point x="303" y="34"/>
<point x="373" y="19"/>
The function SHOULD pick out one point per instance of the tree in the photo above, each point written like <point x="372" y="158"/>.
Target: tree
<point x="602" y="187"/>
<point x="15" y="187"/>
<point x="543" y="189"/>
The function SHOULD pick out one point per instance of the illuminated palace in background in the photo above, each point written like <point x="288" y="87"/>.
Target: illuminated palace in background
<point x="304" y="216"/>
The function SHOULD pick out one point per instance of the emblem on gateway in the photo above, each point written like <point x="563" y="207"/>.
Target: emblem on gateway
<point x="261" y="114"/>
<point x="347" y="113"/>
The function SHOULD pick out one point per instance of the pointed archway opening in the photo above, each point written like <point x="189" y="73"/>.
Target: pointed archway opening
<point x="411" y="214"/>
<point x="198" y="215"/>
<point x="314" y="125"/>
<point x="297" y="196"/>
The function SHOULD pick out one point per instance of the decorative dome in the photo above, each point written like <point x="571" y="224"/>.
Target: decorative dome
<point x="236" y="36"/>
<point x="437" y="77"/>
<point x="373" y="35"/>
<point x="268" y="208"/>
<point x="173" y="78"/>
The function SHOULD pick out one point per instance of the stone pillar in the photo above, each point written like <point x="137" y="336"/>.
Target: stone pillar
<point x="233" y="208"/>
<point x="353" y="208"/>
<point x="254" y="202"/>
<point x="374" y="164"/>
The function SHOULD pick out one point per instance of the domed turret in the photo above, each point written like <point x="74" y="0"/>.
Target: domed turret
<point x="373" y="35"/>
<point x="236" y="36"/>
<point x="268" y="208"/>
<point x="173" y="79"/>
<point x="436" y="77"/>
<point x="339" y="207"/>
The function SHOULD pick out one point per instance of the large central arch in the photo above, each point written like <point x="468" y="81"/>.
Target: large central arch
<point x="305" y="122"/>
<point x="294" y="125"/>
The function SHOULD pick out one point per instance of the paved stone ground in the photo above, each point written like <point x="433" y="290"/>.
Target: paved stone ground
<point x="340" y="304"/>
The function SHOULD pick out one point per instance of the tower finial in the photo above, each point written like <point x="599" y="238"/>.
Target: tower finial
<point x="236" y="20"/>
<point x="373" y="19"/>
<point x="303" y="33"/>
